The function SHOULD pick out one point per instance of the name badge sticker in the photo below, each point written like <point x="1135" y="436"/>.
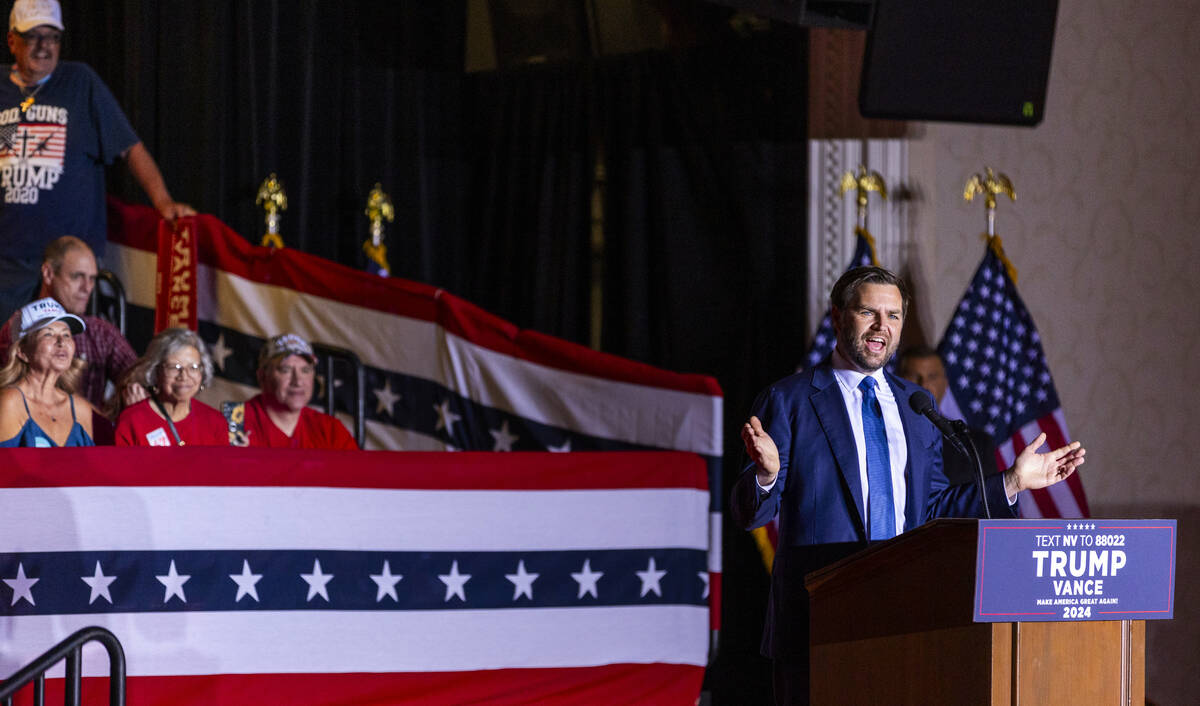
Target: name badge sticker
<point x="158" y="437"/>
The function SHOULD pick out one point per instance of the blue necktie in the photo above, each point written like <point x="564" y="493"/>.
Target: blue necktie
<point x="879" y="467"/>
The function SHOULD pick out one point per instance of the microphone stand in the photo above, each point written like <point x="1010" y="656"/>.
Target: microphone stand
<point x="960" y="427"/>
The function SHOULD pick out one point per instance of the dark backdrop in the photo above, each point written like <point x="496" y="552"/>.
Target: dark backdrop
<point x="491" y="174"/>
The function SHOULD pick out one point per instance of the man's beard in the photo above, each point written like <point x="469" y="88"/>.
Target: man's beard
<point x="856" y="352"/>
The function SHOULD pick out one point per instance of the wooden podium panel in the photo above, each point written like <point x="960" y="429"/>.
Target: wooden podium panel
<point x="893" y="624"/>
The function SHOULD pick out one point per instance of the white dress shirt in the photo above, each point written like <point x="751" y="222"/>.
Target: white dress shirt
<point x="848" y="380"/>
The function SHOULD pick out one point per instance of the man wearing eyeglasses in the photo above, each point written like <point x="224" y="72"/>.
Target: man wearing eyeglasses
<point x="59" y="127"/>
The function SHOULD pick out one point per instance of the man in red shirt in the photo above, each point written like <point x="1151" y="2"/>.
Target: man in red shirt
<point x="279" y="416"/>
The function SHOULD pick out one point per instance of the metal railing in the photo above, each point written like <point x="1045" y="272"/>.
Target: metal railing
<point x="108" y="299"/>
<point x="329" y="357"/>
<point x="71" y="650"/>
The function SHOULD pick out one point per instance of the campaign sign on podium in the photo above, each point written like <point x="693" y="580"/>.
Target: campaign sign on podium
<point x="1056" y="569"/>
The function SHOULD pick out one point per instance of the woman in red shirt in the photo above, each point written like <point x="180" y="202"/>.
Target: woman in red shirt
<point x="175" y="367"/>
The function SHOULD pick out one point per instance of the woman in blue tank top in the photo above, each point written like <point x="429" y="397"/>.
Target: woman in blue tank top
<point x="38" y="407"/>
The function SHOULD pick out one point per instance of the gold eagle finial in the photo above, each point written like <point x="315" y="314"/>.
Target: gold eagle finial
<point x="990" y="184"/>
<point x="863" y="182"/>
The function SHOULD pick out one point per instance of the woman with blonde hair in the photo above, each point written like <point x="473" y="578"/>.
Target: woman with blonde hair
<point x="38" y="404"/>
<point x="175" y="367"/>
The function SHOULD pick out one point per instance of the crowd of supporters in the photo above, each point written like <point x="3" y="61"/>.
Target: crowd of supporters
<point x="56" y="364"/>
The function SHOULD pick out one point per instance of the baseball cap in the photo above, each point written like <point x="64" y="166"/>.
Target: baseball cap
<point x="283" y="345"/>
<point x="27" y="14"/>
<point x="40" y="314"/>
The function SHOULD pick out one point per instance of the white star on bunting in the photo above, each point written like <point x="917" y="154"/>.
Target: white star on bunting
<point x="22" y="586"/>
<point x="174" y="583"/>
<point x="651" y="578"/>
<point x="455" y="583"/>
<point x="245" y="582"/>
<point x="386" y="582"/>
<point x="317" y="582"/>
<point x="504" y="438"/>
<point x="387" y="399"/>
<point x="99" y="584"/>
<point x="446" y="418"/>
<point x="522" y="581"/>
<point x="219" y="352"/>
<point x="587" y="579"/>
<point x="703" y="577"/>
<point x="565" y="448"/>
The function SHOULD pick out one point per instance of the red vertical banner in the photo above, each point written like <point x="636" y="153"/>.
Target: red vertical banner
<point x="175" y="284"/>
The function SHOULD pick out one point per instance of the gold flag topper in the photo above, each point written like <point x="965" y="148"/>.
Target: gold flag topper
<point x="379" y="208"/>
<point x="990" y="184"/>
<point x="862" y="183"/>
<point x="273" y="200"/>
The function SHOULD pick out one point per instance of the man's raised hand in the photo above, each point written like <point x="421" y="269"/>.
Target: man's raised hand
<point x="761" y="450"/>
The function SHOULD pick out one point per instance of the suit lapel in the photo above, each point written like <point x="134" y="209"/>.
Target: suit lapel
<point x="830" y="408"/>
<point x="916" y="470"/>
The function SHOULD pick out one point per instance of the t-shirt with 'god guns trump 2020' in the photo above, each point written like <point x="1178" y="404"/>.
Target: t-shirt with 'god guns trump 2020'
<point x="52" y="158"/>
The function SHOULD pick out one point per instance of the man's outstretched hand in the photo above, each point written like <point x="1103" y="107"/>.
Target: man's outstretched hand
<point x="1032" y="470"/>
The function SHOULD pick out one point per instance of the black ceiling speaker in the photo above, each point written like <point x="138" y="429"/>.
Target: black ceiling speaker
<point x="976" y="61"/>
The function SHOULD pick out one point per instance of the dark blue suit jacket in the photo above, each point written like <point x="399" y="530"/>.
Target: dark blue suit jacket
<point x="819" y="496"/>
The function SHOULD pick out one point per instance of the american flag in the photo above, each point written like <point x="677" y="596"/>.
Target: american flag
<point x="278" y="576"/>
<point x="40" y="144"/>
<point x="999" y="381"/>
<point x="824" y="340"/>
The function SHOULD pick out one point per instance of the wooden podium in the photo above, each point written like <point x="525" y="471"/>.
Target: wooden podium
<point x="893" y="624"/>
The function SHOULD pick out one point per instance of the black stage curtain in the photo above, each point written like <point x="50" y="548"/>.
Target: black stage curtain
<point x="489" y="174"/>
<point x="705" y="158"/>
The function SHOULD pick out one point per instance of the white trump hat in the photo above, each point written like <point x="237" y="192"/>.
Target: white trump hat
<point x="40" y="314"/>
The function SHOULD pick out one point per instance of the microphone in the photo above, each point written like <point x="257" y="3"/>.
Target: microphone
<point x="952" y="429"/>
<point x="921" y="404"/>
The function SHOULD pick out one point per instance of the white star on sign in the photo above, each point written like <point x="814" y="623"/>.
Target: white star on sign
<point x="317" y="582"/>
<point x="99" y="584"/>
<point x="173" y="583"/>
<point x="245" y="582"/>
<point x="455" y="582"/>
<point x="386" y="582"/>
<point x="587" y="579"/>
<point x="504" y="438"/>
<point x="703" y="577"/>
<point x="387" y="399"/>
<point x="219" y="352"/>
<point x="21" y="586"/>
<point x="522" y="582"/>
<point x="650" y="579"/>
<point x="446" y="418"/>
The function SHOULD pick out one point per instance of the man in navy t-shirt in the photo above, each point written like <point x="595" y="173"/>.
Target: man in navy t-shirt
<point x="59" y="127"/>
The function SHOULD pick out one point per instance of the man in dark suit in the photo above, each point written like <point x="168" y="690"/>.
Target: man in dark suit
<point x="839" y="454"/>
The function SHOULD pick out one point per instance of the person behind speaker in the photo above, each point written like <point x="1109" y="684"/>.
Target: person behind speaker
<point x="815" y="438"/>
<point x="922" y="365"/>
